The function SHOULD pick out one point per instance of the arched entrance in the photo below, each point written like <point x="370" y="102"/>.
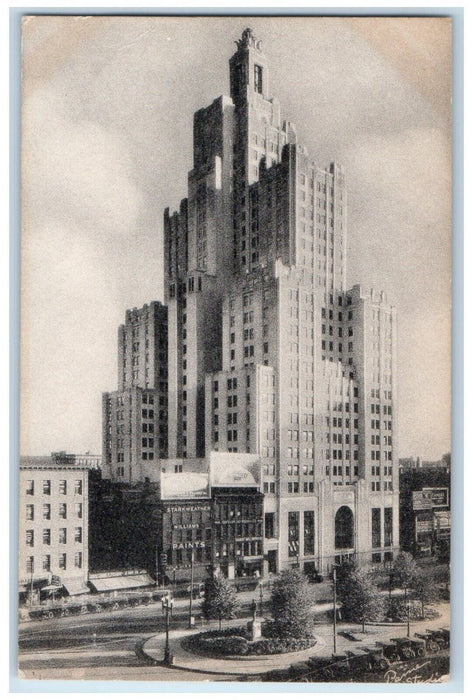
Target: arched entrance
<point x="344" y="528"/>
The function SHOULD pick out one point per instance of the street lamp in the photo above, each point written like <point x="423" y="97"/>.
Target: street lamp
<point x="408" y="618"/>
<point x="334" y="577"/>
<point x="261" y="599"/>
<point x="167" y="603"/>
<point x="191" y="618"/>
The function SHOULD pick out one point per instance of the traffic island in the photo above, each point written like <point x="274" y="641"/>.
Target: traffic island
<point x="187" y="656"/>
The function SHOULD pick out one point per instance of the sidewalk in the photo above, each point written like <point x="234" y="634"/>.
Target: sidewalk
<point x="256" y="665"/>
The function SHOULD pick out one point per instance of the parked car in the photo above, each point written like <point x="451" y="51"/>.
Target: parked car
<point x="431" y="644"/>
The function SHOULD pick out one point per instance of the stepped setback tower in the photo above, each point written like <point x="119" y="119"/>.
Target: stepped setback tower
<point x="268" y="351"/>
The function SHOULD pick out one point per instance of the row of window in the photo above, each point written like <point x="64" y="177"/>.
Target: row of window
<point x="338" y="470"/>
<point x="46" y="562"/>
<point x="46" y="508"/>
<point x="46" y="536"/>
<point x="45" y="488"/>
<point x="376" y="486"/>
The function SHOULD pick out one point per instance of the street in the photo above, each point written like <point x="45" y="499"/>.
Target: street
<point x="102" y="646"/>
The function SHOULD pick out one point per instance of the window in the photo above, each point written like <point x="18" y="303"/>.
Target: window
<point x="47" y="487"/>
<point x="30" y="488"/>
<point x="78" y="509"/>
<point x="30" y="538"/>
<point x="46" y="511"/>
<point x="62" y="561"/>
<point x="293" y="533"/>
<point x="46" y="562"/>
<point x="63" y="510"/>
<point x="46" y="536"/>
<point x="30" y="512"/>
<point x="78" y="560"/>
<point x="62" y="535"/>
<point x="63" y="487"/>
<point x="376" y="527"/>
<point x="269" y="530"/>
<point x="388" y="527"/>
<point x="78" y="534"/>
<point x="30" y="565"/>
<point x="309" y="532"/>
<point x="258" y="79"/>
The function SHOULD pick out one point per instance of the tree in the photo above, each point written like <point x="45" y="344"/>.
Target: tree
<point x="423" y="588"/>
<point x="360" y="598"/>
<point x="292" y="603"/>
<point x="220" y="599"/>
<point x="404" y="571"/>
<point x="344" y="571"/>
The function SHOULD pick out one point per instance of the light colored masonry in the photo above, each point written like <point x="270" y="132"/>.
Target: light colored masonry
<point x="268" y="351"/>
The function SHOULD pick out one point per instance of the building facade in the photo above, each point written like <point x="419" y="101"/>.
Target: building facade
<point x="53" y="527"/>
<point x="134" y="418"/>
<point x="269" y="351"/>
<point x="424" y="504"/>
<point x="202" y="515"/>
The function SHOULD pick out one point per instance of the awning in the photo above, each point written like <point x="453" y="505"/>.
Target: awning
<point x="51" y="588"/>
<point x="119" y="583"/>
<point x="75" y="586"/>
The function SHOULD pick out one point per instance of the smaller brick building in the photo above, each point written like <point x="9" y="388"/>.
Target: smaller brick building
<point x="53" y="527"/>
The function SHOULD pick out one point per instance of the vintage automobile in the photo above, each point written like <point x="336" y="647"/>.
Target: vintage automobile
<point x="409" y="648"/>
<point x="390" y="651"/>
<point x="441" y="636"/>
<point x="376" y="659"/>
<point x="431" y="643"/>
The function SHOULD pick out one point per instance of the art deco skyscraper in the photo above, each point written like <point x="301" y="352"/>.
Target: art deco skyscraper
<point x="269" y="352"/>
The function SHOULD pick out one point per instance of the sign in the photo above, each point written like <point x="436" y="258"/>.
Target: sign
<point x="187" y="509"/>
<point x="442" y="520"/>
<point x="232" y="469"/>
<point x="430" y="498"/>
<point x="184" y="485"/>
<point x="189" y="545"/>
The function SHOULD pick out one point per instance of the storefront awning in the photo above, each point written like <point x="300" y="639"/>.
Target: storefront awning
<point x="51" y="588"/>
<point x="75" y="586"/>
<point x="120" y="583"/>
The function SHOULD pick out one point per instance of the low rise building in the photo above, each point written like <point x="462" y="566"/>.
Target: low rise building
<point x="53" y="528"/>
<point x="202" y="515"/>
<point x="425" y="510"/>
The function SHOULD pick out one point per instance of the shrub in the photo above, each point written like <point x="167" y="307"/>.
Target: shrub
<point x="225" y="645"/>
<point x="398" y="610"/>
<point x="279" y="646"/>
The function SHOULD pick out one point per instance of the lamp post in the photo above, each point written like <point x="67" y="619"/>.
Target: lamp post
<point x="191" y="594"/>
<point x="261" y="599"/>
<point x="408" y="618"/>
<point x="167" y="603"/>
<point x="334" y="576"/>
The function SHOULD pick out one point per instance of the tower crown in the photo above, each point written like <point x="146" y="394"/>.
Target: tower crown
<point x="248" y="39"/>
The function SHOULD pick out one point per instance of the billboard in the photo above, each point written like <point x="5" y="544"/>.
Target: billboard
<point x="433" y="497"/>
<point x="233" y="469"/>
<point x="184" y="485"/>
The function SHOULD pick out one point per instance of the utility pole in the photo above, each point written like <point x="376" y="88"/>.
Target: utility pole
<point x="167" y="603"/>
<point x="334" y="576"/>
<point x="191" y="595"/>
<point x="31" y="586"/>
<point x="408" y="618"/>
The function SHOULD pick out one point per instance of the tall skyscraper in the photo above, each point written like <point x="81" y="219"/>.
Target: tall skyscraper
<point x="134" y="418"/>
<point x="269" y="352"/>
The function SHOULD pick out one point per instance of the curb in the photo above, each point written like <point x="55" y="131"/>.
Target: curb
<point x="143" y="655"/>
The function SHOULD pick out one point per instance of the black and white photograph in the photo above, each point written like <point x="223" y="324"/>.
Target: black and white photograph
<point x="235" y="400"/>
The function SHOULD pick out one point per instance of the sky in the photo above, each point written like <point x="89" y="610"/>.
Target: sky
<point x="108" y="105"/>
